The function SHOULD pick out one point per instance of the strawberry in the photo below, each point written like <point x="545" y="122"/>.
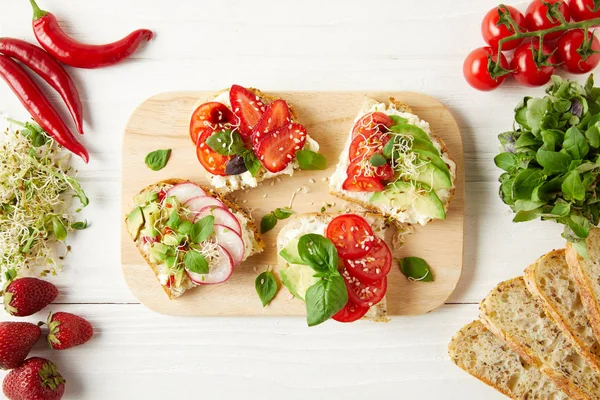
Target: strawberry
<point x="26" y="296"/>
<point x="16" y="341"/>
<point x="36" y="379"/>
<point x="68" y="330"/>
<point x="247" y="107"/>
<point x="276" y="116"/>
<point x="279" y="147"/>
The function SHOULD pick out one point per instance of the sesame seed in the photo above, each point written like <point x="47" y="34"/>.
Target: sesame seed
<point x="311" y="180"/>
<point x="265" y="196"/>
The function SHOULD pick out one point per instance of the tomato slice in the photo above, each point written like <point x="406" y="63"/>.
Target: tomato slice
<point x="247" y="107"/>
<point x="212" y="161"/>
<point x="275" y="117"/>
<point x="374" y="266"/>
<point x="351" y="312"/>
<point x="277" y="149"/>
<point x="383" y="172"/>
<point x="362" y="147"/>
<point x="371" y="123"/>
<point x="351" y="235"/>
<point x="212" y="114"/>
<point x="364" y="293"/>
<point x="362" y="184"/>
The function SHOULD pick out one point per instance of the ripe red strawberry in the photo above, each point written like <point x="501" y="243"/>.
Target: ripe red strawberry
<point x="16" y="341"/>
<point x="247" y="106"/>
<point x="68" y="330"/>
<point x="26" y="296"/>
<point x="278" y="148"/>
<point x="275" y="117"/>
<point x="36" y="379"/>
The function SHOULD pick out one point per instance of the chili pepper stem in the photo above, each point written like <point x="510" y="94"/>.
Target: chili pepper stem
<point x="37" y="11"/>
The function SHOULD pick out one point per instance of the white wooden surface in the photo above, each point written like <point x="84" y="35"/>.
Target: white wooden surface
<point x="414" y="45"/>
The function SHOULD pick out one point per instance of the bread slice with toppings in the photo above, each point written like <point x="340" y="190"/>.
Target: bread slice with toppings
<point x="163" y="242"/>
<point x="477" y="351"/>
<point x="417" y="181"/>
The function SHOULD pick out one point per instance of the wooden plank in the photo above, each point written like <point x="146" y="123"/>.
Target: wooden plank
<point x="162" y="121"/>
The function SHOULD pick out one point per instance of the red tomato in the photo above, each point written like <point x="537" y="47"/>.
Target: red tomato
<point x="383" y="172"/>
<point x="372" y="123"/>
<point x="362" y="184"/>
<point x="536" y="17"/>
<point x="566" y="51"/>
<point x="351" y="235"/>
<point x="492" y="33"/>
<point x="362" y="293"/>
<point x="582" y="10"/>
<point x="350" y="313"/>
<point x="374" y="266"/>
<point x="475" y="69"/>
<point x="362" y="148"/>
<point x="525" y="70"/>
<point x="212" y="161"/>
<point x="212" y="114"/>
<point x="247" y="107"/>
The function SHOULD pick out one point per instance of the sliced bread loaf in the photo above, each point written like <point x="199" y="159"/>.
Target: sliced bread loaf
<point x="477" y="351"/>
<point x="512" y="313"/>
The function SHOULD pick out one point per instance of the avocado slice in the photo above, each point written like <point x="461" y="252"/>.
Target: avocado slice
<point x="434" y="159"/>
<point x="290" y="253"/>
<point x="135" y="221"/>
<point x="145" y="198"/>
<point x="151" y="213"/>
<point x="401" y="195"/>
<point x="396" y="194"/>
<point x="420" y="144"/>
<point x="158" y="252"/>
<point x="411" y="130"/>
<point x="298" y="278"/>
<point x="172" y="239"/>
<point x="432" y="176"/>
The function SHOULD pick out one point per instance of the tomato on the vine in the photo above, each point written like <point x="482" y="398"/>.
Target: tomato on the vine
<point x="493" y="33"/>
<point x="537" y="19"/>
<point x="582" y="10"/>
<point x="526" y="70"/>
<point x="476" y="72"/>
<point x="568" y="54"/>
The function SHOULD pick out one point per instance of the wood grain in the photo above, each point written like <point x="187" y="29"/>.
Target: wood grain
<point x="162" y="122"/>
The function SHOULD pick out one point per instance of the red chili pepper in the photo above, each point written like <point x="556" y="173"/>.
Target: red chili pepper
<point x="76" y="54"/>
<point x="38" y="106"/>
<point x="49" y="70"/>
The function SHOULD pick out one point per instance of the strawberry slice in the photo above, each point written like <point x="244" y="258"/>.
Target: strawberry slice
<point x="209" y="115"/>
<point x="276" y="150"/>
<point x="276" y="116"/>
<point x="247" y="107"/>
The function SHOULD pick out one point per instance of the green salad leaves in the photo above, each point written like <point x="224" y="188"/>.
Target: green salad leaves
<point x="551" y="160"/>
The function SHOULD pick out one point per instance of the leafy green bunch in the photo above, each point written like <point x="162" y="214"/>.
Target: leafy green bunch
<point x="551" y="158"/>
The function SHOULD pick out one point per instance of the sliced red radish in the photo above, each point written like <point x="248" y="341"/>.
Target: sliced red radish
<point x="221" y="268"/>
<point x="185" y="191"/>
<point x="196" y="204"/>
<point x="222" y="217"/>
<point x="231" y="241"/>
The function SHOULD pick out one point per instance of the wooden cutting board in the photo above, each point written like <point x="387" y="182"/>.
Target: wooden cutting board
<point x="161" y="122"/>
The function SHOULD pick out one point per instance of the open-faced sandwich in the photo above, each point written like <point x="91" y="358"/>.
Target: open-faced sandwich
<point x="189" y="235"/>
<point x="244" y="136"/>
<point x="337" y="264"/>
<point x="392" y="164"/>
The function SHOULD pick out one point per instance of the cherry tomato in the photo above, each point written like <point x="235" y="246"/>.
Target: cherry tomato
<point x="566" y="51"/>
<point x="362" y="184"/>
<point x="362" y="148"/>
<point x="212" y="161"/>
<point x="582" y="10"/>
<point x="210" y="114"/>
<point x="536" y="17"/>
<point x="374" y="266"/>
<point x="372" y="123"/>
<point x="525" y="70"/>
<point x="475" y="69"/>
<point x="383" y="172"/>
<point x="351" y="312"/>
<point x="351" y="235"/>
<point x="363" y="293"/>
<point x="492" y="33"/>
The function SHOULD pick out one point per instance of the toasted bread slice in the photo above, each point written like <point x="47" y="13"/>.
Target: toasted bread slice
<point x="406" y="214"/>
<point x="477" y="351"/>
<point x="512" y="313"/>
<point x="550" y="280"/>
<point x="586" y="272"/>
<point x="227" y="184"/>
<point x="300" y="224"/>
<point x="256" y="246"/>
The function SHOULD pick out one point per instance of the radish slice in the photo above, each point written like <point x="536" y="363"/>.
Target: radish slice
<point x="196" y="204"/>
<point x="222" y="217"/>
<point x="221" y="269"/>
<point x="185" y="191"/>
<point x="231" y="241"/>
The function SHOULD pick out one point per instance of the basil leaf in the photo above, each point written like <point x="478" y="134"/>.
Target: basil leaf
<point x="195" y="262"/>
<point x="561" y="208"/>
<point x="398" y="120"/>
<point x="593" y="136"/>
<point x="156" y="160"/>
<point x="60" y="232"/>
<point x="325" y="298"/>
<point x="318" y="252"/>
<point x="202" y="229"/>
<point x="226" y="143"/>
<point x="521" y="113"/>
<point x="527" y="215"/>
<point x="268" y="222"/>
<point x="185" y="227"/>
<point x="553" y="161"/>
<point x="580" y="226"/>
<point x="575" y="144"/>
<point x="174" y="220"/>
<point x="525" y="140"/>
<point x="266" y="287"/>
<point x="572" y="186"/>
<point x="309" y="160"/>
<point x="525" y="182"/>
<point x="416" y="269"/>
<point x="552" y="138"/>
<point x="251" y="162"/>
<point x="377" y="160"/>
<point x="506" y="161"/>
<point x="282" y="213"/>
<point x="536" y="110"/>
<point x="79" y="225"/>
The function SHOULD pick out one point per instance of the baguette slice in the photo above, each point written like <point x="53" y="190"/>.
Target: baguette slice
<point x="477" y="351"/>
<point x="587" y="275"/>
<point x="512" y="313"/>
<point x="550" y="280"/>
<point x="257" y="243"/>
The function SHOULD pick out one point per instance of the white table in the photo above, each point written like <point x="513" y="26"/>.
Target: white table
<point x="414" y="45"/>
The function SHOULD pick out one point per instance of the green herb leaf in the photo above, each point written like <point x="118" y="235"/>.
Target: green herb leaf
<point x="325" y="298"/>
<point x="593" y="136"/>
<point x="377" y="160"/>
<point x="318" y="252"/>
<point x="575" y="144"/>
<point x="79" y="225"/>
<point x="416" y="269"/>
<point x="251" y="162"/>
<point x="156" y="160"/>
<point x="527" y="215"/>
<point x="202" y="229"/>
<point x="195" y="262"/>
<point x="572" y="186"/>
<point x="398" y="120"/>
<point x="525" y="182"/>
<point x="506" y="161"/>
<point x="282" y="213"/>
<point x="553" y="161"/>
<point x="309" y="160"/>
<point x="266" y="287"/>
<point x="174" y="220"/>
<point x="267" y="222"/>
<point x="60" y="232"/>
<point x="185" y="227"/>
<point x="226" y="143"/>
